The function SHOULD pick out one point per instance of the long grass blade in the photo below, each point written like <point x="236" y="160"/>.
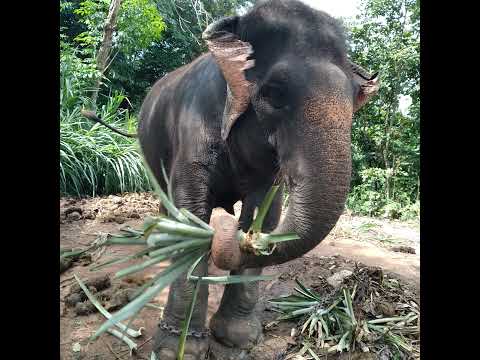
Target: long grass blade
<point x="186" y="323"/>
<point x="291" y="303"/>
<point x="263" y="209"/>
<point x="171" y="227"/>
<point x="194" y="266"/>
<point x="232" y="279"/>
<point x="196" y="219"/>
<point x="123" y="259"/>
<point x="307" y="291"/>
<point x="131" y="345"/>
<point x="166" y="203"/>
<point x="157" y="239"/>
<point x="117" y="240"/>
<point x="77" y="253"/>
<point x="348" y="302"/>
<point x="104" y="311"/>
<point x="139" y="267"/>
<point x="311" y="352"/>
<point x="180" y="246"/>
<point x="168" y="183"/>
<point x="277" y="238"/>
<point x="169" y="275"/>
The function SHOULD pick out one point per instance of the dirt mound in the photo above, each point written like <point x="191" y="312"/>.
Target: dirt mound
<point x="383" y="320"/>
<point x="110" y="208"/>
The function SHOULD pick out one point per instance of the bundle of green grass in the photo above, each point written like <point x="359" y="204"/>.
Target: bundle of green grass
<point x="183" y="238"/>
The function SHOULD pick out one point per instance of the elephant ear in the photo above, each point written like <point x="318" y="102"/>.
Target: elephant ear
<point x="369" y="85"/>
<point x="231" y="55"/>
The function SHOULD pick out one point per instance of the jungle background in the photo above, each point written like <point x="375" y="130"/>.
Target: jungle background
<point x="113" y="51"/>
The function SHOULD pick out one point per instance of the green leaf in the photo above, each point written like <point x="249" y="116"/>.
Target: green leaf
<point x="172" y="227"/>
<point x="139" y="267"/>
<point x="290" y="298"/>
<point x="159" y="239"/>
<point x="119" y="240"/>
<point x="303" y="311"/>
<point x="293" y="303"/>
<point x="313" y="324"/>
<point x="307" y="291"/>
<point x="309" y="320"/>
<point x="167" y="181"/>
<point x="343" y="344"/>
<point x="324" y="324"/>
<point x="276" y="238"/>
<point x="123" y="259"/>
<point x="183" y="245"/>
<point x="194" y="265"/>
<point x="186" y="323"/>
<point x="348" y="302"/>
<point x="166" y="203"/>
<point x="132" y="232"/>
<point x="196" y="219"/>
<point x="263" y="209"/>
<point x="315" y="356"/>
<point x="76" y="253"/>
<point x="121" y="336"/>
<point x="232" y="279"/>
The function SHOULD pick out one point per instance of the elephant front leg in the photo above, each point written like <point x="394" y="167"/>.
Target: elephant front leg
<point x="189" y="193"/>
<point x="169" y="328"/>
<point x="235" y="323"/>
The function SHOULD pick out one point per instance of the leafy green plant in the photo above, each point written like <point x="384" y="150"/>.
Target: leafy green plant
<point x="94" y="161"/>
<point x="368" y="198"/>
<point x="184" y="239"/>
<point x="76" y="77"/>
<point x="139" y="26"/>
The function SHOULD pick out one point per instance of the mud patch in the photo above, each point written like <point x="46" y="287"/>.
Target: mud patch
<point x="340" y="251"/>
<point x="110" y="208"/>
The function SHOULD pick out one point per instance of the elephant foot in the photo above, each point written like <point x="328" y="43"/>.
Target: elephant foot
<point x="166" y="346"/>
<point x="241" y="332"/>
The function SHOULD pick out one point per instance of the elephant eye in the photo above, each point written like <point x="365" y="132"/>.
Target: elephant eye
<point x="275" y="94"/>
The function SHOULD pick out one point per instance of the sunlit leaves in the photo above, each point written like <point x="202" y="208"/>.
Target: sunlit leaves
<point x="139" y="25"/>
<point x="385" y="38"/>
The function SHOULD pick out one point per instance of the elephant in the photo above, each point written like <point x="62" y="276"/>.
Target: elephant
<point x="273" y="98"/>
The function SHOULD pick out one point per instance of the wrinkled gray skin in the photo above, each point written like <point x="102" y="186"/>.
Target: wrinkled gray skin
<point x="289" y="114"/>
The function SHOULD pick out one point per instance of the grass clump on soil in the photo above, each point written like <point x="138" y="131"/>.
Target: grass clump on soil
<point x="96" y="162"/>
<point x="367" y="313"/>
<point x="185" y="240"/>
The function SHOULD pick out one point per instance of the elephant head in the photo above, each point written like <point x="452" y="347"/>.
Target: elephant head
<point x="287" y="64"/>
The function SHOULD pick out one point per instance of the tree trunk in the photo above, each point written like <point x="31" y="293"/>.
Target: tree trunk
<point x="105" y="46"/>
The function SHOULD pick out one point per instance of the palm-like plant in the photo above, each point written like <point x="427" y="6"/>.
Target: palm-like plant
<point x="184" y="239"/>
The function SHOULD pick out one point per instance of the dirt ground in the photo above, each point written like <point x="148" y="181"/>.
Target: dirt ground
<point x="392" y="245"/>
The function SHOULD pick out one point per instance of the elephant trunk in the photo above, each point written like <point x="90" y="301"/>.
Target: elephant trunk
<point x="318" y="178"/>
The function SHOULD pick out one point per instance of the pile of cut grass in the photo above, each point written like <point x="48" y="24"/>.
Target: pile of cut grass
<point x="345" y="319"/>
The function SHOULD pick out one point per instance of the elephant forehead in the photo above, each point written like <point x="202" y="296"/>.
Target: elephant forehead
<point x="332" y="109"/>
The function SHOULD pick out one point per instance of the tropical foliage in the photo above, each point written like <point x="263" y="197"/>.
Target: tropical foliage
<point x="152" y="38"/>
<point x="385" y="37"/>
